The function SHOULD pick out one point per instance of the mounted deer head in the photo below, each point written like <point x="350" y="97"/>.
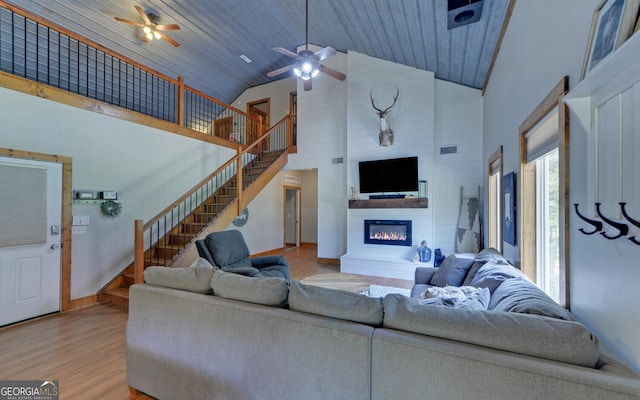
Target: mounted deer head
<point x="386" y="133"/>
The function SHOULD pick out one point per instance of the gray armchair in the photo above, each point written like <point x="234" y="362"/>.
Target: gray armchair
<point x="228" y="251"/>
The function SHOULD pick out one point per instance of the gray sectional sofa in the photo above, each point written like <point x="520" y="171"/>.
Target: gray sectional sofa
<point x="200" y="333"/>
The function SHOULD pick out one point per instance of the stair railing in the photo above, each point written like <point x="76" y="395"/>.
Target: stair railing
<point x="167" y="234"/>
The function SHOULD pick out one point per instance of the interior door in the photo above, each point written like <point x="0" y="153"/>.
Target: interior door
<point x="30" y="237"/>
<point x="260" y="111"/>
<point x="292" y="217"/>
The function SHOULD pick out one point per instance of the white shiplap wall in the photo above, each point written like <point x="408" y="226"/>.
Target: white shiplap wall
<point x="458" y="121"/>
<point x="336" y="120"/>
<point x="412" y="120"/>
<point x="322" y="131"/>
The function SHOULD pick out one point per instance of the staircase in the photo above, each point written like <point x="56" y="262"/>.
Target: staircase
<point x="210" y="206"/>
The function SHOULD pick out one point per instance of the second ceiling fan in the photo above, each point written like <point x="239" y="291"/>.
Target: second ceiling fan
<point x="308" y="63"/>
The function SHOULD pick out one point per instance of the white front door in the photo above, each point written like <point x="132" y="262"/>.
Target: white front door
<point x="30" y="237"/>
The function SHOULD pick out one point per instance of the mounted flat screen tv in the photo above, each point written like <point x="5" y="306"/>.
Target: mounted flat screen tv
<point x="392" y="175"/>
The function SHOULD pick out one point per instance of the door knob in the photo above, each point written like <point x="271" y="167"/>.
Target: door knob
<point x="56" y="246"/>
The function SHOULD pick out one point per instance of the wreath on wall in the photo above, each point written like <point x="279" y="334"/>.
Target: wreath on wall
<point x="111" y="209"/>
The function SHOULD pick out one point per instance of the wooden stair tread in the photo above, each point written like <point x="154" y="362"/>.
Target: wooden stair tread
<point x="118" y="292"/>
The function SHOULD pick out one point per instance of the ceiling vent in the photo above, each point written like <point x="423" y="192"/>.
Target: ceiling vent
<point x="463" y="12"/>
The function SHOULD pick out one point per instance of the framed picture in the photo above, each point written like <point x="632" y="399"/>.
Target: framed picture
<point x="613" y="23"/>
<point x="509" y="216"/>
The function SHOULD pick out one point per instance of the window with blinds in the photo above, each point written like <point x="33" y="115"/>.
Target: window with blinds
<point x="23" y="198"/>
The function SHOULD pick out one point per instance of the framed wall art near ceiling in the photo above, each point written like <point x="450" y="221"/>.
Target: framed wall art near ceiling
<point x="613" y="23"/>
<point x="510" y="215"/>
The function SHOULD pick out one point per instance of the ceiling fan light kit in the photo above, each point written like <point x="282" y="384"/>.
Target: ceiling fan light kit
<point x="151" y="30"/>
<point x="308" y="64"/>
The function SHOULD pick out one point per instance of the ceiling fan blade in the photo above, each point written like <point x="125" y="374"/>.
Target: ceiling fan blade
<point x="280" y="70"/>
<point x="287" y="53"/>
<point x="169" y="27"/>
<point x="126" y="21"/>
<point x="332" y="72"/>
<point x="144" y="17"/>
<point x="168" y="39"/>
<point x="324" y="53"/>
<point x="307" y="85"/>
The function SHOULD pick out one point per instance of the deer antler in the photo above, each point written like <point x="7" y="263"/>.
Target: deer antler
<point x="381" y="112"/>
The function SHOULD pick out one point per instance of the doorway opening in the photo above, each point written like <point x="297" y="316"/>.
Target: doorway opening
<point x="292" y="216"/>
<point x="260" y="111"/>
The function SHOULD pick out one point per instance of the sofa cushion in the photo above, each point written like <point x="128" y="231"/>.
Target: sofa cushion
<point x="228" y="249"/>
<point x="192" y="279"/>
<point x="492" y="274"/>
<point x="534" y="335"/>
<point x="523" y="296"/>
<point x="335" y="303"/>
<point x="486" y="255"/>
<point x="453" y="270"/>
<point x="269" y="291"/>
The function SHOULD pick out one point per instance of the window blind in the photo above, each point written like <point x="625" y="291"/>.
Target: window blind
<point x="23" y="205"/>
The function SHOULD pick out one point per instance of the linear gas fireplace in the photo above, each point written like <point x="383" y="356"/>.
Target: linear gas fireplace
<point x="390" y="232"/>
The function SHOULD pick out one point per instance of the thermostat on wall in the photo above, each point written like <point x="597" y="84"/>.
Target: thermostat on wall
<point x="109" y="195"/>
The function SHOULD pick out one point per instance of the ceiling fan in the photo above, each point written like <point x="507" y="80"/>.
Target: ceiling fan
<point x="308" y="63"/>
<point x="150" y="28"/>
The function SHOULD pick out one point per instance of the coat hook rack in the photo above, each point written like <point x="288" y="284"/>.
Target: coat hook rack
<point x="634" y="222"/>
<point x="597" y="225"/>
<point x="623" y="229"/>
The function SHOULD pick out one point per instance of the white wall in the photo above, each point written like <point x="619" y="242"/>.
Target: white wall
<point x="413" y="124"/>
<point x="278" y="93"/>
<point x="336" y="120"/>
<point x="148" y="168"/>
<point x="322" y="127"/>
<point x="264" y="231"/>
<point x="458" y="122"/>
<point x="546" y="40"/>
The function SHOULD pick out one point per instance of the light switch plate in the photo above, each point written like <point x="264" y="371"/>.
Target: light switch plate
<point x="81" y="220"/>
<point x="78" y="230"/>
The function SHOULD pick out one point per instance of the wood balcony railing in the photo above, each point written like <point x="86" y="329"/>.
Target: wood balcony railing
<point x="39" y="50"/>
<point x="229" y="189"/>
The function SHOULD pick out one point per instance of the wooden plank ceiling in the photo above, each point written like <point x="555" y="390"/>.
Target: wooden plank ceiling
<point x="214" y="33"/>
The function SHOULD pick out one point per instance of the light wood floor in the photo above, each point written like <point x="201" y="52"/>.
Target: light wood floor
<point x="85" y="349"/>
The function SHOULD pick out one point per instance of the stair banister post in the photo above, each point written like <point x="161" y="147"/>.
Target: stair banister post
<point x="181" y="105"/>
<point x="138" y="267"/>
<point x="239" y="178"/>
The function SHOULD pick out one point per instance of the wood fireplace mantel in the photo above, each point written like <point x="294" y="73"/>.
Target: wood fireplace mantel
<point x="407" y="202"/>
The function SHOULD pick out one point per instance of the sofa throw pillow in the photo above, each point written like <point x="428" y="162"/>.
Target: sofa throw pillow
<point x="194" y="278"/>
<point x="453" y="270"/>
<point x="534" y="335"/>
<point x="269" y="291"/>
<point x="492" y="274"/>
<point x="334" y="303"/>
<point x="486" y="255"/>
<point x="523" y="296"/>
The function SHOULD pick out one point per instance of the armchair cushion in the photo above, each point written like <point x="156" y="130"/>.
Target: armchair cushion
<point x="228" y="249"/>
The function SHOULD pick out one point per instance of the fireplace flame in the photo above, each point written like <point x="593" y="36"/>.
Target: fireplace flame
<point x="387" y="236"/>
